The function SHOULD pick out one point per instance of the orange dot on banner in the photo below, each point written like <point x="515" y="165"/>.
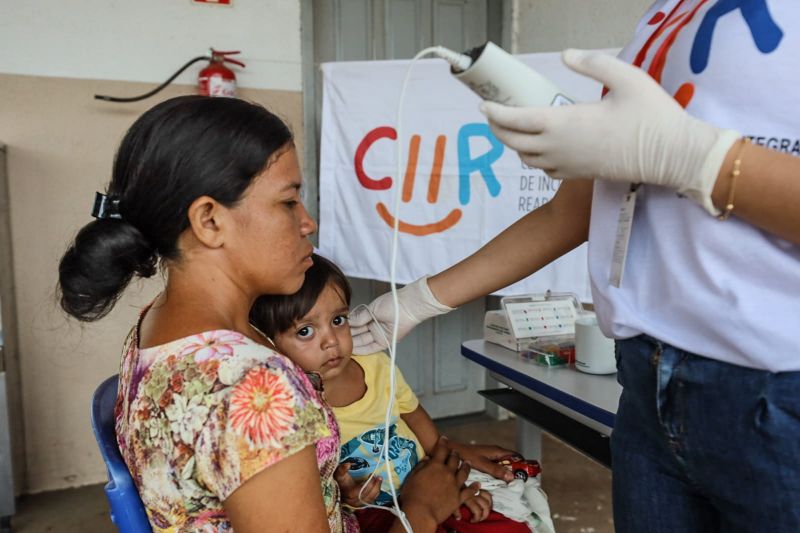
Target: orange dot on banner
<point x="658" y="17"/>
<point x="684" y="94"/>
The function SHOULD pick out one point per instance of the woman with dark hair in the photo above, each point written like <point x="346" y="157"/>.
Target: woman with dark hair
<point x="218" y="430"/>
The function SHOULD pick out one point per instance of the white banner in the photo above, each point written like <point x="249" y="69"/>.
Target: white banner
<point x="460" y="185"/>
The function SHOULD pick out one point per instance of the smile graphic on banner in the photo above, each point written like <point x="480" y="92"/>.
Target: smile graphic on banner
<point x="467" y="164"/>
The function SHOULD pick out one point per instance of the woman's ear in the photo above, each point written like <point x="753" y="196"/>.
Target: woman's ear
<point x="206" y="220"/>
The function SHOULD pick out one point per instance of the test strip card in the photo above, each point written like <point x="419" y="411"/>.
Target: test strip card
<point x="543" y="318"/>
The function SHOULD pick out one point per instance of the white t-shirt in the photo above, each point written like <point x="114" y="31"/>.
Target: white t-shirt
<point x="725" y="290"/>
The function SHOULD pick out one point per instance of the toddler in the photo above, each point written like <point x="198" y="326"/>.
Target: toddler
<point x="311" y="328"/>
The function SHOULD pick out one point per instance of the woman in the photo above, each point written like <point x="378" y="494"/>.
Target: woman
<point x="219" y="431"/>
<point x="700" y="287"/>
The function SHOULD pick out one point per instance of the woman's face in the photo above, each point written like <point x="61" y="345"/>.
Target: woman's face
<point x="270" y="247"/>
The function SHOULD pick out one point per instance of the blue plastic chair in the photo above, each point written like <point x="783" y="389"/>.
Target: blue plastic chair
<point x="127" y="509"/>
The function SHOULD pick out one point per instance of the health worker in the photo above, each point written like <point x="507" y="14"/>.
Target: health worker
<point x="685" y="181"/>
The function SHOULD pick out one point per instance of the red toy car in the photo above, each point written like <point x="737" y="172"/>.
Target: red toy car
<point x="521" y="467"/>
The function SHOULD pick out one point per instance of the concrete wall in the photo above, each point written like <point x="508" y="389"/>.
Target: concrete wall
<point x="61" y="145"/>
<point x="147" y="40"/>
<point x="552" y="25"/>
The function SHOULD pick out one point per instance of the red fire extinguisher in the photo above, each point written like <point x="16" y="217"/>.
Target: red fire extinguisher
<point x="214" y="80"/>
<point x="217" y="79"/>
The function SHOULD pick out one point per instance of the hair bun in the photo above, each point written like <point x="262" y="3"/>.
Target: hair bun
<point x="99" y="264"/>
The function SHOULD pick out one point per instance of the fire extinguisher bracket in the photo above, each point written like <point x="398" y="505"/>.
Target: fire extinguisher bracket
<point x="216" y="79"/>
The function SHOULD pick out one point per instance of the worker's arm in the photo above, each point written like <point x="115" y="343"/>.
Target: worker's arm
<point x="535" y="240"/>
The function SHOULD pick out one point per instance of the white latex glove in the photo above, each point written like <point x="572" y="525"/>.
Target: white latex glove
<point x="638" y="133"/>
<point x="417" y="303"/>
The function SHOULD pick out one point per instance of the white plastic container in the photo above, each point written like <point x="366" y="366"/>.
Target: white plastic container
<point x="594" y="352"/>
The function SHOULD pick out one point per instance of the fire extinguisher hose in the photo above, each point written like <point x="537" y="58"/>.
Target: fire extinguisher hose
<point x="154" y="91"/>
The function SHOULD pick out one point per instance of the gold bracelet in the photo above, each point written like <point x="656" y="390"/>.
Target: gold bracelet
<point x="737" y="163"/>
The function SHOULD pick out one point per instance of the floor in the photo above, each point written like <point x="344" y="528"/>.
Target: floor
<point x="579" y="489"/>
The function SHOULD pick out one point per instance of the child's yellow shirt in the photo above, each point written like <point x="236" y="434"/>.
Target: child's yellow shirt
<point x="362" y="426"/>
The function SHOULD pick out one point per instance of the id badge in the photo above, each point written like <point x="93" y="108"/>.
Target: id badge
<point x="623" y="237"/>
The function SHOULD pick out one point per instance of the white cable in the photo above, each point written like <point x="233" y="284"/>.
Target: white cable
<point x="461" y="62"/>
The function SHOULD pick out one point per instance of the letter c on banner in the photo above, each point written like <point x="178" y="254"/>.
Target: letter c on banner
<point x="381" y="132"/>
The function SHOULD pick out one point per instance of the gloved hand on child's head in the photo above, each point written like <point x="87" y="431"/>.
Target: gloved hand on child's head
<point x="372" y="325"/>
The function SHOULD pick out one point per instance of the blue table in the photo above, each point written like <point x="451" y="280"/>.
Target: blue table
<point x="576" y="407"/>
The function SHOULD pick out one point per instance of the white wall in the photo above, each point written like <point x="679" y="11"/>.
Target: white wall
<point x="148" y="40"/>
<point x="552" y="25"/>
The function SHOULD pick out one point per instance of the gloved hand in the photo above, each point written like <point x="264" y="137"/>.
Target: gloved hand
<point x="637" y="133"/>
<point x="417" y="303"/>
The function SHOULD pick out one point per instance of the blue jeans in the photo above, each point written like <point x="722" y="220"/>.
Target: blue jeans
<point x="703" y="446"/>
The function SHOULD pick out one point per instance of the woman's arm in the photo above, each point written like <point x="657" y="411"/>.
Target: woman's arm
<point x="287" y="496"/>
<point x="480" y="456"/>
<point x="535" y="240"/>
<point x="767" y="191"/>
<point x="284" y="497"/>
<point x="434" y="490"/>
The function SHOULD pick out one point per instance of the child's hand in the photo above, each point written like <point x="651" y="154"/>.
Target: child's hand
<point x="479" y="504"/>
<point x="482" y="457"/>
<point x="351" y="491"/>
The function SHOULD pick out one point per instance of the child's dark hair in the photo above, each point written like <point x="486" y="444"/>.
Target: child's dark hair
<point x="274" y="313"/>
<point x="178" y="151"/>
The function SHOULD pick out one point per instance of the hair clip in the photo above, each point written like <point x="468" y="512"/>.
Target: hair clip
<point x="105" y="206"/>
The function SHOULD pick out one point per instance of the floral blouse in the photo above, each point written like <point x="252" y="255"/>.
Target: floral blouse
<point x="198" y="416"/>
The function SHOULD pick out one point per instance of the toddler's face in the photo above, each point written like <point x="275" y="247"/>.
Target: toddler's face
<point x="321" y="340"/>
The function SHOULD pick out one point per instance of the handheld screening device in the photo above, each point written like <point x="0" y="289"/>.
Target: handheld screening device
<point x="497" y="76"/>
